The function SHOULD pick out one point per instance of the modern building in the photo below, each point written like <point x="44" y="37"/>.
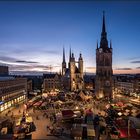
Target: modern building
<point x="29" y="85"/>
<point x="4" y="71"/>
<point x="51" y="82"/>
<point x="127" y="84"/>
<point x="72" y="76"/>
<point x="103" y="84"/>
<point x="37" y="81"/>
<point x="12" y="91"/>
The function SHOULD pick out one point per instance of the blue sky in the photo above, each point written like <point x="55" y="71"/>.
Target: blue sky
<point x="32" y="34"/>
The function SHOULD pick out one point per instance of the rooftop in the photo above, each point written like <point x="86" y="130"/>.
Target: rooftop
<point x="4" y="78"/>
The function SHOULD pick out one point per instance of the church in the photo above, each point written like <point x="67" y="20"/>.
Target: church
<point x="103" y="81"/>
<point x="72" y="76"/>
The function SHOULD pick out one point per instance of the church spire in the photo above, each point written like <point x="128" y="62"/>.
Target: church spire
<point x="103" y="26"/>
<point x="97" y="45"/>
<point x="103" y="34"/>
<point x="103" y="42"/>
<point x="70" y="55"/>
<point x="110" y="44"/>
<point x="64" y="61"/>
<point x="80" y="56"/>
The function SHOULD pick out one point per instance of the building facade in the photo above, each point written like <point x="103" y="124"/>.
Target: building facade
<point x="51" y="82"/>
<point x="29" y="85"/>
<point x="73" y="75"/>
<point x="4" y="70"/>
<point x="127" y="84"/>
<point x="89" y="82"/>
<point x="12" y="91"/>
<point x="103" y="83"/>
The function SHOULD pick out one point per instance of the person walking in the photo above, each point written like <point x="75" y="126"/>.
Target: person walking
<point x="62" y="130"/>
<point x="48" y="128"/>
<point x="108" y="136"/>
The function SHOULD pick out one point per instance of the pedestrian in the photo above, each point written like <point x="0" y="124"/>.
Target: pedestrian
<point x="108" y="137"/>
<point x="48" y="127"/>
<point x="46" y="115"/>
<point x="62" y="130"/>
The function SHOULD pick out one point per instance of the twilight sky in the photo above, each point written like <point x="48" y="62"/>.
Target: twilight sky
<point x="32" y="34"/>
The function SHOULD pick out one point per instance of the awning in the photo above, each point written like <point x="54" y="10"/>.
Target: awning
<point x="132" y="132"/>
<point x="38" y="103"/>
<point x="90" y="132"/>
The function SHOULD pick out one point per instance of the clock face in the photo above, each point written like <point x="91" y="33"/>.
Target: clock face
<point x="100" y="50"/>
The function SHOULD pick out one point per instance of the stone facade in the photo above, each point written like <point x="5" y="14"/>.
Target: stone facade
<point x="51" y="82"/>
<point x="73" y="75"/>
<point x="103" y="84"/>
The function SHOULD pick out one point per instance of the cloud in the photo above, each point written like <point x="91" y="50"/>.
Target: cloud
<point x="34" y="67"/>
<point x="123" y="68"/>
<point x="16" y="64"/>
<point x="7" y="60"/>
<point x="133" y="58"/>
<point x="28" y="67"/>
<point x="51" y="52"/>
<point x="23" y="61"/>
<point x="27" y="49"/>
<point x="135" y="61"/>
<point x="26" y="73"/>
<point x="137" y="67"/>
<point x="90" y="68"/>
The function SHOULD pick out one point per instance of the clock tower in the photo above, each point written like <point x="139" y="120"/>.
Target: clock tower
<point x="103" y="84"/>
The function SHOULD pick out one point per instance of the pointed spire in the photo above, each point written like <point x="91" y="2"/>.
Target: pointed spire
<point x="103" y="42"/>
<point x="97" y="44"/>
<point x="64" y="55"/>
<point x="80" y="56"/>
<point x="70" y="54"/>
<point x="110" y="44"/>
<point x="103" y="26"/>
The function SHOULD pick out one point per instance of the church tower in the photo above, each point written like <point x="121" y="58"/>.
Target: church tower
<point x="80" y="65"/>
<point x="81" y="78"/>
<point x="72" y="72"/>
<point x="103" y="84"/>
<point x="63" y="63"/>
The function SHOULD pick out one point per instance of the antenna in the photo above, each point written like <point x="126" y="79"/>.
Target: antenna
<point x="50" y="67"/>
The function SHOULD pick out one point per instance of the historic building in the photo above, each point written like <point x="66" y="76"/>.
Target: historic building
<point x="73" y="75"/>
<point x="103" y="84"/>
<point x="51" y="82"/>
<point x="89" y="82"/>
